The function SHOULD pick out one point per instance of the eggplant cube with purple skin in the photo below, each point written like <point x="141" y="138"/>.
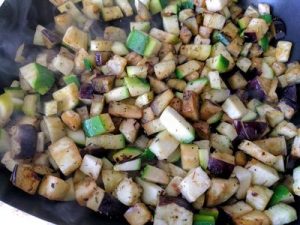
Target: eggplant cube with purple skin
<point x="25" y="178"/>
<point x="66" y="155"/>
<point x="194" y="184"/>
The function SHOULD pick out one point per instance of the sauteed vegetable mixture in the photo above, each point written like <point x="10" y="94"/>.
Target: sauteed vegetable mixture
<point x="177" y="124"/>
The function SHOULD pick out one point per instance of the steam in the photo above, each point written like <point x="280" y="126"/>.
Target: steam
<point x="18" y="19"/>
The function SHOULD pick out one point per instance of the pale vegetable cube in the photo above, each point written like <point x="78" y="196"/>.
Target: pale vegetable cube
<point x="66" y="155"/>
<point x="91" y="166"/>
<point x="128" y="192"/>
<point x="234" y="107"/>
<point x="283" y="51"/>
<point x="194" y="184"/>
<point x="53" y="188"/>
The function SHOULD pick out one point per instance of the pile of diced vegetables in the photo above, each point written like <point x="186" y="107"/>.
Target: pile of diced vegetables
<point x="175" y="125"/>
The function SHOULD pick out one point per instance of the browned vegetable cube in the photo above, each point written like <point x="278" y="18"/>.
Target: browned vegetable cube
<point x="208" y="109"/>
<point x="190" y="105"/>
<point x="25" y="178"/>
<point x="71" y="119"/>
<point x="202" y="129"/>
<point x="103" y="84"/>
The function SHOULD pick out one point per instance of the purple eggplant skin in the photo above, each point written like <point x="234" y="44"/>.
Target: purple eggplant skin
<point x="290" y="92"/>
<point x="98" y="59"/>
<point x="220" y="168"/>
<point x="166" y="200"/>
<point x="111" y="207"/>
<point x="278" y="28"/>
<point x="51" y="38"/>
<point x="250" y="37"/>
<point x="250" y="130"/>
<point x="254" y="90"/>
<point x="23" y="141"/>
<point x="86" y="91"/>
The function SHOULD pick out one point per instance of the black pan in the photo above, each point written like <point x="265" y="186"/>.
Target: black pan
<point x="18" y="19"/>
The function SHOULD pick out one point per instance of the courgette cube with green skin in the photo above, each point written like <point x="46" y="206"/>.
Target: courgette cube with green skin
<point x="15" y="92"/>
<point x="220" y="37"/>
<point x="4" y="141"/>
<point x="197" y="85"/>
<point x="203" y="220"/>
<point x="264" y="43"/>
<point x="157" y="5"/>
<point x="147" y="155"/>
<point x="38" y="77"/>
<point x="98" y="125"/>
<point x="126" y="154"/>
<point x="281" y="194"/>
<point x="220" y="63"/>
<point x="137" y="41"/>
<point x="177" y="126"/>
<point x="30" y="105"/>
<point x="267" y="18"/>
<point x="6" y="108"/>
<point x="141" y="26"/>
<point x="136" y="86"/>
<point x="94" y="126"/>
<point x="152" y="47"/>
<point x="210" y="212"/>
<point x="71" y="79"/>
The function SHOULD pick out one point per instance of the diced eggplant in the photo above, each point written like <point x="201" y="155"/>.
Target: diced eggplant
<point x="50" y="38"/>
<point x="128" y="192"/>
<point x="255" y="151"/>
<point x="258" y="197"/>
<point x="124" y="110"/>
<point x="151" y="192"/>
<point x="66" y="155"/>
<point x="250" y="130"/>
<point x="262" y="174"/>
<point x="111" y="179"/>
<point x="244" y="176"/>
<point x="237" y="209"/>
<point x="75" y="38"/>
<point x="171" y="169"/>
<point x="194" y="184"/>
<point x="53" y="188"/>
<point x="53" y="128"/>
<point x="189" y="156"/>
<point x="173" y="187"/>
<point x="25" y="178"/>
<point x="161" y="101"/>
<point x="138" y="214"/>
<point x="190" y="105"/>
<point x="23" y="141"/>
<point x="221" y="164"/>
<point x="281" y="214"/>
<point x="173" y="210"/>
<point x="221" y="190"/>
<point x="253" y="217"/>
<point x="278" y="28"/>
<point x="91" y="166"/>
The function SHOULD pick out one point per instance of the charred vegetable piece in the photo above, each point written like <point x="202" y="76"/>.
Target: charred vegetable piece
<point x="112" y="207"/>
<point x="127" y="154"/>
<point x="278" y="28"/>
<point x="25" y="178"/>
<point x="23" y="141"/>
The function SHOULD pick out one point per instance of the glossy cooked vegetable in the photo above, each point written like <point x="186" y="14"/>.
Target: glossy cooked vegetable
<point x="184" y="124"/>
